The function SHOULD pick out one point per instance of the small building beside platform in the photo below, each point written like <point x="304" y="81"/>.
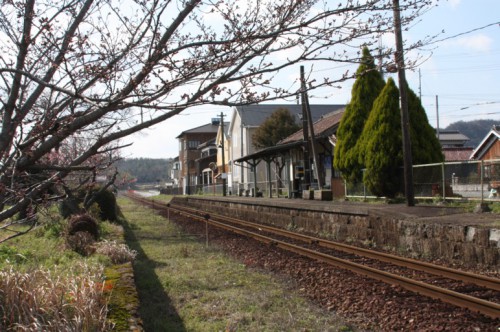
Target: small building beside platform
<point x="293" y="174"/>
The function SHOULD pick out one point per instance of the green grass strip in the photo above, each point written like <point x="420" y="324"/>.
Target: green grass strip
<point x="185" y="286"/>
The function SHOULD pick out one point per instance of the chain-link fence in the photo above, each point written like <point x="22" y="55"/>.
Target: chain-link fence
<point x="278" y="189"/>
<point x="475" y="180"/>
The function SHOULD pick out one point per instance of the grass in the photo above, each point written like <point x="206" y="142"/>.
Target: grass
<point x="42" y="248"/>
<point x="495" y="207"/>
<point x="45" y="286"/>
<point x="42" y="301"/>
<point x="469" y="206"/>
<point x="185" y="286"/>
<point x="162" y="198"/>
<point x="466" y="206"/>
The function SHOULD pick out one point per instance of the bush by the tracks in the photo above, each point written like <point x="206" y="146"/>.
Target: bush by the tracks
<point x="105" y="200"/>
<point x="82" y="233"/>
<point x="69" y="206"/>
<point x="83" y="223"/>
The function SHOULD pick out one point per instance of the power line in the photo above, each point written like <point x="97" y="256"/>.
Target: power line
<point x="460" y="116"/>
<point x="459" y="56"/>
<point x="484" y="103"/>
<point x="464" y="33"/>
<point x="467" y="107"/>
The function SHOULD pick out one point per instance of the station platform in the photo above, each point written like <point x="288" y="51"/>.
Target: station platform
<point x="430" y="231"/>
<point x="425" y="212"/>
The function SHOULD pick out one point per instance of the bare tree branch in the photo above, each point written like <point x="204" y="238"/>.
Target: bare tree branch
<point x="78" y="76"/>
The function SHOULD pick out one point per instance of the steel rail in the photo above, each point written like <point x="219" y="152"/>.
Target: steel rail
<point x="465" y="301"/>
<point x="467" y="277"/>
<point x="484" y="307"/>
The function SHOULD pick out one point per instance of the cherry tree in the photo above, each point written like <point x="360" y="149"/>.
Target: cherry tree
<point x="94" y="72"/>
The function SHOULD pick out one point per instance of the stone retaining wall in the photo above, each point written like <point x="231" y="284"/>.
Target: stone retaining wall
<point x="473" y="246"/>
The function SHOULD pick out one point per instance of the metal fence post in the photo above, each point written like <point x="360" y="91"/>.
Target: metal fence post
<point x="206" y="216"/>
<point x="444" y="181"/>
<point x="482" y="182"/>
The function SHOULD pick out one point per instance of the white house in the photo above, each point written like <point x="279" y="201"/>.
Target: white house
<point x="243" y="123"/>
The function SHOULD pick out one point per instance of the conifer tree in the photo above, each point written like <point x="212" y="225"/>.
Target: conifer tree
<point x="366" y="88"/>
<point x="279" y="125"/>
<point x="382" y="140"/>
<point x="382" y="143"/>
<point x="425" y="146"/>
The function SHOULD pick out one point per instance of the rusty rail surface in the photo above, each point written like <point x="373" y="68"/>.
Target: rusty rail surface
<point x="472" y="303"/>
<point x="479" y="280"/>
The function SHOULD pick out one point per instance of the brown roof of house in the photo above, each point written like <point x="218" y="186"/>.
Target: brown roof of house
<point x="325" y="126"/>
<point x="457" y="154"/>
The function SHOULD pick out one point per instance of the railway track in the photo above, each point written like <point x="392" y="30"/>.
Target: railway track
<point x="416" y="276"/>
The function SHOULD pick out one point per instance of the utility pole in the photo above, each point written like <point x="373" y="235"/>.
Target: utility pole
<point x="405" y="121"/>
<point x="310" y="126"/>
<point x="223" y="175"/>
<point x="380" y="58"/>
<point x="305" y="131"/>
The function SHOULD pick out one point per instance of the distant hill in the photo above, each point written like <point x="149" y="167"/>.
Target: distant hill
<point x="146" y="170"/>
<point x="476" y="130"/>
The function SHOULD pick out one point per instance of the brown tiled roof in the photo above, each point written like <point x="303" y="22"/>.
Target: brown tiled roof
<point x="457" y="154"/>
<point x="325" y="126"/>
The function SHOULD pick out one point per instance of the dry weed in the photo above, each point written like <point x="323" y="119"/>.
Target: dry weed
<point x="47" y="301"/>
<point x="118" y="253"/>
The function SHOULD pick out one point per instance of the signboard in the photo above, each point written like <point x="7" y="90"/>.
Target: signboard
<point x="299" y="172"/>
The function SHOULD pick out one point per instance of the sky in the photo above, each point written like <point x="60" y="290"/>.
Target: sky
<point x="460" y="70"/>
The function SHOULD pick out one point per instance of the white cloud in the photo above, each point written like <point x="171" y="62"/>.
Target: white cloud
<point x="454" y="3"/>
<point x="478" y="42"/>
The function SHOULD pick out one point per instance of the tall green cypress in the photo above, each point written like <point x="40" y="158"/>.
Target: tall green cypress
<point x="382" y="141"/>
<point x="425" y="146"/>
<point x="366" y="88"/>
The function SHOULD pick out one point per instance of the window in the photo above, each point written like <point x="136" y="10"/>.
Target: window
<point x="193" y="144"/>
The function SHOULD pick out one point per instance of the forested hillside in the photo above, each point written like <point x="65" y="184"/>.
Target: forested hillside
<point x="146" y="170"/>
<point x="476" y="130"/>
